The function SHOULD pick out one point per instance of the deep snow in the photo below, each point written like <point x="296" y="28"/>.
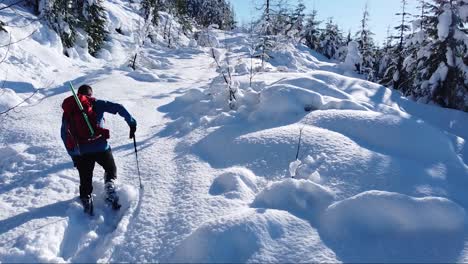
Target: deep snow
<point x="378" y="177"/>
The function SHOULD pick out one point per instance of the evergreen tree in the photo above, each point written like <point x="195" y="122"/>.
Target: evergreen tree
<point x="62" y="17"/>
<point x="208" y="12"/>
<point x="441" y="75"/>
<point x="395" y="75"/>
<point x="265" y="24"/>
<point x="150" y="10"/>
<point x="94" y="24"/>
<point x="366" y="46"/>
<point x="263" y="48"/>
<point x="331" y="40"/>
<point x="276" y="17"/>
<point x="416" y="42"/>
<point x="66" y="17"/>
<point x="296" y="21"/>
<point x="349" y="38"/>
<point x="385" y="57"/>
<point x="311" y="32"/>
<point x="181" y="11"/>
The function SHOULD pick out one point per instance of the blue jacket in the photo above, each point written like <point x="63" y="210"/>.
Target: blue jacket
<point x="100" y="107"/>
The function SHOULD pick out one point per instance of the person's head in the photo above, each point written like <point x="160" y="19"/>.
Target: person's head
<point x="85" y="90"/>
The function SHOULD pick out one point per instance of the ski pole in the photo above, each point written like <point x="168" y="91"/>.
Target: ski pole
<point x="136" y="158"/>
<point x="80" y="106"/>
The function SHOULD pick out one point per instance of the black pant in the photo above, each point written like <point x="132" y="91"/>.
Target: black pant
<point x="85" y="165"/>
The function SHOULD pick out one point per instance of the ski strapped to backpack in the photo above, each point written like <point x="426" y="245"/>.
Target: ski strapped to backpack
<point x="85" y="116"/>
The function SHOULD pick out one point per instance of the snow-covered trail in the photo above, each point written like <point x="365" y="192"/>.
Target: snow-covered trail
<point x="50" y="180"/>
<point x="166" y="181"/>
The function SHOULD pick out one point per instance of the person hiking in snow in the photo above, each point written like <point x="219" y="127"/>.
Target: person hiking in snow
<point x="84" y="149"/>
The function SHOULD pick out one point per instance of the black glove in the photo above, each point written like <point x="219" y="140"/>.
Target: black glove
<point x="132" y="131"/>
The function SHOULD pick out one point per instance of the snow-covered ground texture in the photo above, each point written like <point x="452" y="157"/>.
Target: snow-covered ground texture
<point x="378" y="178"/>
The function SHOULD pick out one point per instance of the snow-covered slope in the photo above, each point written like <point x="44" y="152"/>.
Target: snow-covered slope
<point x="378" y="178"/>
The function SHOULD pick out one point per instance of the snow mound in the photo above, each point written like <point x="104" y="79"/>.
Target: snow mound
<point x="236" y="183"/>
<point x="288" y="57"/>
<point x="128" y="195"/>
<point x="36" y="247"/>
<point x="307" y="167"/>
<point x="143" y="76"/>
<point x="297" y="97"/>
<point x="192" y="95"/>
<point x="242" y="69"/>
<point x="8" y="99"/>
<point x="345" y="164"/>
<point x="268" y="152"/>
<point x="254" y="236"/>
<point x="378" y="226"/>
<point x="302" y="198"/>
<point x="207" y="38"/>
<point x="15" y="157"/>
<point x="403" y="136"/>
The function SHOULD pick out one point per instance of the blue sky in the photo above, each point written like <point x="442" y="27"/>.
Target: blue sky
<point x="347" y="13"/>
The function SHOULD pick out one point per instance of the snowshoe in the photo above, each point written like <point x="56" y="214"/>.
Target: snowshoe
<point x="88" y="205"/>
<point x="111" y="196"/>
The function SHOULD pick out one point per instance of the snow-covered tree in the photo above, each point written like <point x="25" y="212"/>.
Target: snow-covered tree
<point x="349" y="38"/>
<point x="442" y="62"/>
<point x="67" y="17"/>
<point x="63" y="18"/>
<point x="181" y="11"/>
<point x="415" y="42"/>
<point x="384" y="58"/>
<point x="276" y="17"/>
<point x="296" y="21"/>
<point x="353" y="58"/>
<point x="263" y="48"/>
<point x="395" y="75"/>
<point x="94" y="23"/>
<point x="366" y="46"/>
<point x="331" y="40"/>
<point x="208" y="12"/>
<point x="151" y="9"/>
<point x="311" y="32"/>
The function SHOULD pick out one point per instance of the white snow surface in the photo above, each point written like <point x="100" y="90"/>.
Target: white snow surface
<point x="378" y="178"/>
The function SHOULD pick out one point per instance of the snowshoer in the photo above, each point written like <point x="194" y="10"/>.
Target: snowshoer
<point x="86" y="142"/>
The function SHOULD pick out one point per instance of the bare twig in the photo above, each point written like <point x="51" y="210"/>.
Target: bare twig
<point x="31" y="20"/>
<point x="228" y="78"/>
<point x="299" y="143"/>
<point x="252" y="72"/>
<point x="22" y="102"/>
<point x="28" y="36"/>
<point x="217" y="64"/>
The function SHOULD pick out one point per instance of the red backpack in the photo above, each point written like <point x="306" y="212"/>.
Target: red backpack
<point x="78" y="132"/>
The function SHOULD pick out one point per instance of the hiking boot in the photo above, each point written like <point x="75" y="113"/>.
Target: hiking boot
<point x="88" y="205"/>
<point x="111" y="195"/>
